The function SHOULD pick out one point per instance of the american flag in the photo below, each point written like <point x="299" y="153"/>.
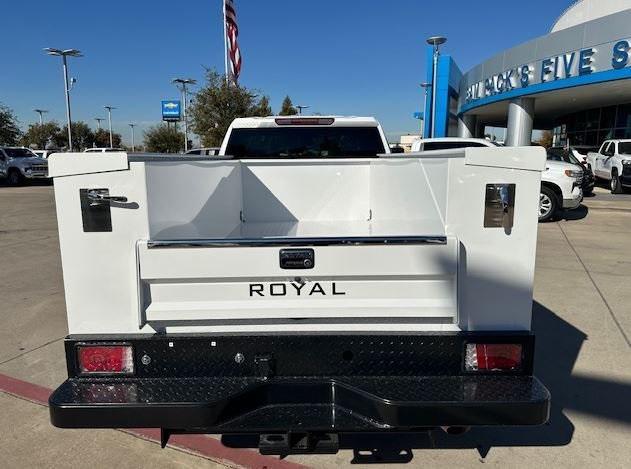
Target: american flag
<point x="232" y="32"/>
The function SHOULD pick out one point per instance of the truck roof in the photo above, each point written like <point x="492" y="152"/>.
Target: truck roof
<point x="337" y="121"/>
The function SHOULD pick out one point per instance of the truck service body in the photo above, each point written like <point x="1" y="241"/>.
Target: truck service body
<point x="305" y="281"/>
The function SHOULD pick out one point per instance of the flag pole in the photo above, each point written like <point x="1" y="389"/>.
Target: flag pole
<point x="225" y="41"/>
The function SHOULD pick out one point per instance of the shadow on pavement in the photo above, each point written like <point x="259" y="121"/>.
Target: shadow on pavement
<point x="34" y="182"/>
<point x="558" y="346"/>
<point x="577" y="214"/>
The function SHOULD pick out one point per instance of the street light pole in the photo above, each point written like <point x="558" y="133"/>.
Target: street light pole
<point x="435" y="41"/>
<point x="40" y="112"/>
<point x="98" y="122"/>
<point x="67" y="84"/>
<point x="300" y="108"/>
<point x="183" y="82"/>
<point x="133" y="148"/>
<point x="424" y="86"/>
<point x="109" y="120"/>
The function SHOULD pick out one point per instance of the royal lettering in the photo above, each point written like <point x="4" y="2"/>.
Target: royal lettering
<point x="295" y="289"/>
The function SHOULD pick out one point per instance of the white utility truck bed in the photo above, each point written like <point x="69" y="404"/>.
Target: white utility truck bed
<point x="304" y="281"/>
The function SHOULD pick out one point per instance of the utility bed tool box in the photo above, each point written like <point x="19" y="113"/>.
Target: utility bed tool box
<point x="360" y="294"/>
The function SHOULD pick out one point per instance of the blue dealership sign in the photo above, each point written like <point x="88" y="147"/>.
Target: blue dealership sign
<point x="171" y="110"/>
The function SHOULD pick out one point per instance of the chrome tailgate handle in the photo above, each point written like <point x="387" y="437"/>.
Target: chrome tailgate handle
<point x="101" y="196"/>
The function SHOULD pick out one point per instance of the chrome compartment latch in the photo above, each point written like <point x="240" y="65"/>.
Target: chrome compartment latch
<point x="101" y="196"/>
<point x="96" y="209"/>
<point x="499" y="206"/>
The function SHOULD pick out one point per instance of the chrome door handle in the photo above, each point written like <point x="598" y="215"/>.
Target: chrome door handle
<point x="99" y="197"/>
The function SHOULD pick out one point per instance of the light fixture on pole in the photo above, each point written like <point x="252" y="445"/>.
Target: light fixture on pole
<point x="300" y="108"/>
<point x="436" y="42"/>
<point x="133" y="147"/>
<point x="424" y="85"/>
<point x="181" y="84"/>
<point x="98" y="122"/>
<point x="109" y="120"/>
<point x="67" y="84"/>
<point x="40" y="112"/>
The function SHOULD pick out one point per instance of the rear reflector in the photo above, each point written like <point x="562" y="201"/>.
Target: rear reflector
<point x="105" y="359"/>
<point x="493" y="357"/>
<point x="305" y="121"/>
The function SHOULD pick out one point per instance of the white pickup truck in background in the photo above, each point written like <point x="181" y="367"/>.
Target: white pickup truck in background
<point x="303" y="283"/>
<point x="613" y="163"/>
<point x="560" y="182"/>
<point x="20" y="164"/>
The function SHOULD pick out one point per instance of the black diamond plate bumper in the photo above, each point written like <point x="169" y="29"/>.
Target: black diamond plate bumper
<point x="224" y="405"/>
<point x="294" y="383"/>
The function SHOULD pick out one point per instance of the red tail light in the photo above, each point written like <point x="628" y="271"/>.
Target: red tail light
<point x="105" y="359"/>
<point x="493" y="357"/>
<point x="305" y="121"/>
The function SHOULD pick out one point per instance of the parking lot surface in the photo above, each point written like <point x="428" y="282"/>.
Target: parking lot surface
<point x="581" y="317"/>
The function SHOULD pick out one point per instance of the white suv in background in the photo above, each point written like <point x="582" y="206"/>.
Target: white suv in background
<point x="560" y="182"/>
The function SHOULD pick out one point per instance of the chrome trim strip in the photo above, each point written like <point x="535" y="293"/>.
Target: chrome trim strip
<point x="280" y="241"/>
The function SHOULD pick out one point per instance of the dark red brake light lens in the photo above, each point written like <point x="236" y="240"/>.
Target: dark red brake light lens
<point x="493" y="357"/>
<point x="105" y="359"/>
<point x="305" y="121"/>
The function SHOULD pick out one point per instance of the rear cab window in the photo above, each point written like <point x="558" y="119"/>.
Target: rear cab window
<point x="305" y="142"/>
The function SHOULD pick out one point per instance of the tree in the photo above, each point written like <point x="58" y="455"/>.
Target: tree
<point x="263" y="109"/>
<point x="218" y="103"/>
<point x="41" y="135"/>
<point x="288" y="109"/>
<point x="9" y="131"/>
<point x="163" y="139"/>
<point x="82" y="136"/>
<point x="546" y="139"/>
<point x="102" y="139"/>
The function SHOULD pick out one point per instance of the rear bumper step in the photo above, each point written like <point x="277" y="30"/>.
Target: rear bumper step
<point x="322" y="404"/>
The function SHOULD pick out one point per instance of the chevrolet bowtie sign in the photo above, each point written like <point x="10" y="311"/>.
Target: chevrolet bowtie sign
<point x="171" y="110"/>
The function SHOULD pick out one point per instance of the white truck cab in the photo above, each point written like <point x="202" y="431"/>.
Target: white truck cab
<point x="302" y="284"/>
<point x="612" y="162"/>
<point x="560" y="182"/>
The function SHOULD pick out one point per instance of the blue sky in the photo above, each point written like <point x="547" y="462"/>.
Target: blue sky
<point x="358" y="57"/>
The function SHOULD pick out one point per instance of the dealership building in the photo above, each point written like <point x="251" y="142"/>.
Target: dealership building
<point x="574" y="81"/>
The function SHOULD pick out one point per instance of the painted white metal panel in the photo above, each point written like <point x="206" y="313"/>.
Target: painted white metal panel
<point x="412" y="285"/>
<point x="331" y="261"/>
<point x="527" y="158"/>
<point x="193" y="199"/>
<point x="496" y="266"/>
<point x="400" y="191"/>
<point x="213" y="283"/>
<point x="291" y="191"/>
<point x="69" y="164"/>
<point x="100" y="269"/>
